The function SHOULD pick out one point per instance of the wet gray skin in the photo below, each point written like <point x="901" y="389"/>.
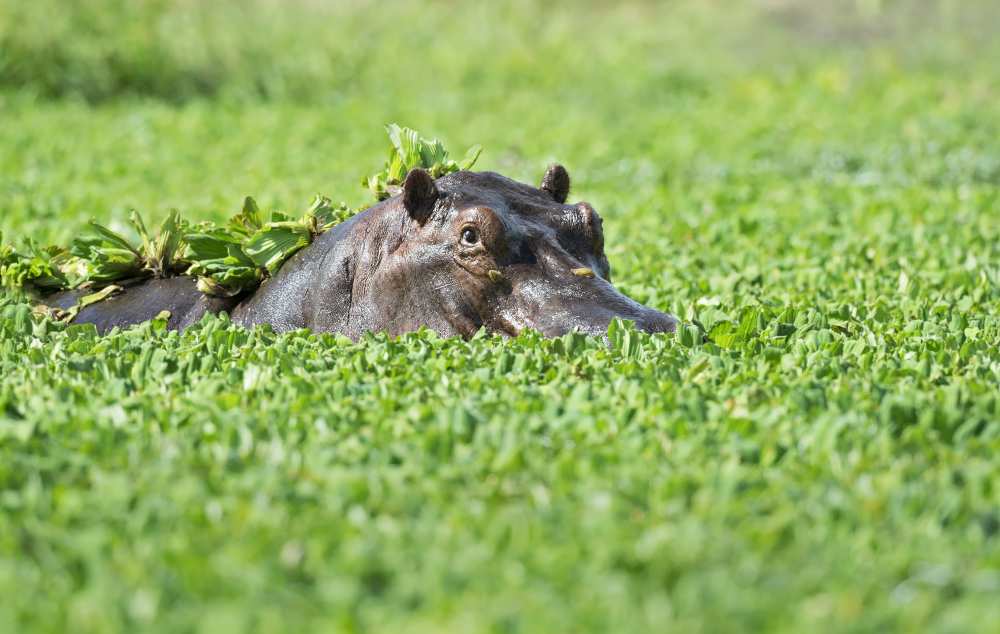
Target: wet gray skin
<point x="470" y="250"/>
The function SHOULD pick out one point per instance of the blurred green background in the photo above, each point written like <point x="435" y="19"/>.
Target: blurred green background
<point x="827" y="167"/>
<point x="315" y="52"/>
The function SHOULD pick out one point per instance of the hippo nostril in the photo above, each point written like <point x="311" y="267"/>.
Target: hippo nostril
<point x="655" y="321"/>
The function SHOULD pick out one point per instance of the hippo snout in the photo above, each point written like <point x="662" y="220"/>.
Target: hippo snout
<point x="654" y="321"/>
<point x="645" y="319"/>
<point x="556" y="318"/>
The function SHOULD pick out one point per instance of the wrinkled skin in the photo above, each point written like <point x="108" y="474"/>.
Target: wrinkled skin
<point x="471" y="250"/>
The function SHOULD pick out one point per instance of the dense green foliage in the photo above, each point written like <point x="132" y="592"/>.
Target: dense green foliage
<point x="823" y="201"/>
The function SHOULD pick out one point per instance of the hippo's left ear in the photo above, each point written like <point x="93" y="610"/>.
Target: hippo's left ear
<point x="419" y="194"/>
<point x="556" y="182"/>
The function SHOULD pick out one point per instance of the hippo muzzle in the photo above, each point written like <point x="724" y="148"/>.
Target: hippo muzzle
<point x="560" y="294"/>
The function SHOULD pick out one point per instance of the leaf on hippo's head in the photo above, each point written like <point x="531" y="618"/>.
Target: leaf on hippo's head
<point x="322" y="214"/>
<point x="276" y="242"/>
<point x="249" y="220"/>
<point x="405" y="153"/>
<point x="210" y="286"/>
<point x="408" y="150"/>
<point x="209" y="245"/>
<point x="160" y="252"/>
<point x="471" y="156"/>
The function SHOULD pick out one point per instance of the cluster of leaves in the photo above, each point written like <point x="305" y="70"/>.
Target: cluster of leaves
<point x="107" y="256"/>
<point x="38" y="267"/>
<point x="227" y="260"/>
<point x="233" y="259"/>
<point x="407" y="150"/>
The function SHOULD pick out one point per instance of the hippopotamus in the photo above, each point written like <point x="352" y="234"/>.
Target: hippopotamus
<point x="467" y="251"/>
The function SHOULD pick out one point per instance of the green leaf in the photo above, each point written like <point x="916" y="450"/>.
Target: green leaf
<point x="36" y="271"/>
<point x="110" y="264"/>
<point x="168" y="243"/>
<point x="146" y="247"/>
<point x="113" y="238"/>
<point x="275" y="243"/>
<point x="326" y="215"/>
<point x="471" y="156"/>
<point x="208" y="246"/>
<point x="249" y="220"/>
<point x="408" y="150"/>
<point x="90" y="300"/>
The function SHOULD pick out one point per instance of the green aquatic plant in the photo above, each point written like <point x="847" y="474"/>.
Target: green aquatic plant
<point x="407" y="150"/>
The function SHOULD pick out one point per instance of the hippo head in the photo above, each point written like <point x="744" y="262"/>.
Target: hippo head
<point x="477" y="249"/>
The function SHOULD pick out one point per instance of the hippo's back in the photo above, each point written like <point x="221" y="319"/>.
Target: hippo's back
<point x="136" y="304"/>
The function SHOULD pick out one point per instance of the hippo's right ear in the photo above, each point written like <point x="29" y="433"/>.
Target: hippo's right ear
<point x="419" y="194"/>
<point x="556" y="182"/>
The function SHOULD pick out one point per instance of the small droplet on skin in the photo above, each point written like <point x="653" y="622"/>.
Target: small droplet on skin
<point x="495" y="275"/>
<point x="583" y="272"/>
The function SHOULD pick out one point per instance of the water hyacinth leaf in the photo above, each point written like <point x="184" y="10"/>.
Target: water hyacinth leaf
<point x="433" y="156"/>
<point x="90" y="300"/>
<point x="146" y="243"/>
<point x="249" y="220"/>
<point x="271" y="246"/>
<point x="168" y="243"/>
<point x="209" y="246"/>
<point x="227" y="280"/>
<point x="93" y="298"/>
<point x="39" y="269"/>
<point x="321" y="208"/>
<point x="471" y="156"/>
<point x="409" y="150"/>
<point x="724" y="334"/>
<point x="160" y="322"/>
<point x="376" y="185"/>
<point x="74" y="269"/>
<point x="209" y="286"/>
<point x="112" y="237"/>
<point x="405" y="152"/>
<point x="108" y="256"/>
<point x="325" y="215"/>
<point x="113" y="264"/>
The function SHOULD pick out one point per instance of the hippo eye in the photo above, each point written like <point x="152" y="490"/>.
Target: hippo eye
<point x="470" y="236"/>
